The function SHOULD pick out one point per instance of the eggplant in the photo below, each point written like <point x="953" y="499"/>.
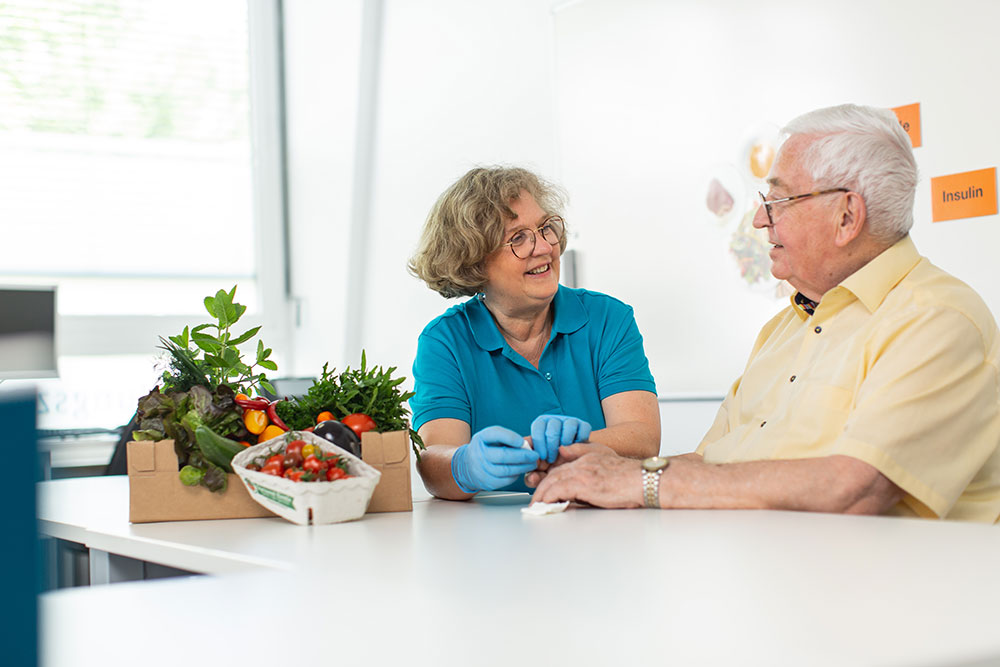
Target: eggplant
<point x="334" y="431"/>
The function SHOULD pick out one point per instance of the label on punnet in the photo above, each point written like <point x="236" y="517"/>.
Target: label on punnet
<point x="276" y="496"/>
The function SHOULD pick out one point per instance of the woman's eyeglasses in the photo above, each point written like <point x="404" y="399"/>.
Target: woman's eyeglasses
<point x="522" y="244"/>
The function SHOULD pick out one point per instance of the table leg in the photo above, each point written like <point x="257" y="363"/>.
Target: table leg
<point x="107" y="568"/>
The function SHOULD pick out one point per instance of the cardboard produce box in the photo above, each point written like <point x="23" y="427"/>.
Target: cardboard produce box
<point x="156" y="492"/>
<point x="390" y="454"/>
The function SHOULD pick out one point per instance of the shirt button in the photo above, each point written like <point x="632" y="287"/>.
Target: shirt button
<point x="791" y="379"/>
<point x="548" y="376"/>
<point x="818" y="329"/>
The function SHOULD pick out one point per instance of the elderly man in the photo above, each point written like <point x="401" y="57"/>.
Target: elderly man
<point x="874" y="391"/>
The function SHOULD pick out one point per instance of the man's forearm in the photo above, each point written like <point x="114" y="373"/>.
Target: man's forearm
<point x="839" y="484"/>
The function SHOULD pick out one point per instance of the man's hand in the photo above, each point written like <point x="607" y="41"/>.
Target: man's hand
<point x="566" y="454"/>
<point x="600" y="478"/>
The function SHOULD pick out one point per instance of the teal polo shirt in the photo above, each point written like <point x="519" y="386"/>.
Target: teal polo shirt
<point x="465" y="369"/>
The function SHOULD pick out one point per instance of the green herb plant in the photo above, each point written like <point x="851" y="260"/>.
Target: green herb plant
<point x="372" y="391"/>
<point x="199" y="388"/>
<point x="216" y="358"/>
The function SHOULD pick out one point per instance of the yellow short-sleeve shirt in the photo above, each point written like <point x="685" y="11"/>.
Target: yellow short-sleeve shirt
<point x="897" y="367"/>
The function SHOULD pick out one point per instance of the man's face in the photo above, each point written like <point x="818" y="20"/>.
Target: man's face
<point x="802" y="236"/>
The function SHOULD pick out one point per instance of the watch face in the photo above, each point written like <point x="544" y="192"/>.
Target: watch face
<point x="655" y="463"/>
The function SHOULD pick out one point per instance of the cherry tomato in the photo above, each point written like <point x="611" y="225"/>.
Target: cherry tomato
<point x="255" y="421"/>
<point x="359" y="422"/>
<point x="324" y="416"/>
<point x="310" y="450"/>
<point x="275" y="469"/>
<point x="271" y="431"/>
<point x="312" y="464"/>
<point x="294" y="475"/>
<point x="295" y="447"/>
<point x="334" y="472"/>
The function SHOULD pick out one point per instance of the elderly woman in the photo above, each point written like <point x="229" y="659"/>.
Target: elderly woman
<point x="525" y="355"/>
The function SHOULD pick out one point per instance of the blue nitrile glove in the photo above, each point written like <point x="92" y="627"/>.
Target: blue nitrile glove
<point x="548" y="432"/>
<point x="492" y="460"/>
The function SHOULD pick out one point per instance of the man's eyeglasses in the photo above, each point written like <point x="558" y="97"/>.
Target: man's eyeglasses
<point x="768" y="203"/>
<point x="522" y="244"/>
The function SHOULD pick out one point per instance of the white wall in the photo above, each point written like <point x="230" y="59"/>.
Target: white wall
<point x="460" y="83"/>
<point x="322" y="56"/>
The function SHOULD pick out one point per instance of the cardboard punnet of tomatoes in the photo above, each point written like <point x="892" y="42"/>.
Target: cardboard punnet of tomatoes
<point x="307" y="479"/>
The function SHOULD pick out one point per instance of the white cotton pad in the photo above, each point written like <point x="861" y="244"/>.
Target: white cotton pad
<point x="541" y="509"/>
<point x="526" y="444"/>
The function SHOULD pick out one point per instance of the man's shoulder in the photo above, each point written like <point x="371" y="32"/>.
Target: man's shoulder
<point x="929" y="286"/>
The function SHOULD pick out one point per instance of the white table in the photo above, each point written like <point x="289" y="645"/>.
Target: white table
<point x="478" y="583"/>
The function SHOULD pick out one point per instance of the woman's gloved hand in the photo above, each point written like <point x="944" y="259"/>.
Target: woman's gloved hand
<point x="549" y="432"/>
<point x="492" y="460"/>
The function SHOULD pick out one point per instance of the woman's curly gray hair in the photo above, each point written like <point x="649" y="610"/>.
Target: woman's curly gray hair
<point x="467" y="224"/>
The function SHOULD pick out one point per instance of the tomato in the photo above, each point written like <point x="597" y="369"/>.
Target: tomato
<point x="311" y="450"/>
<point x="294" y="475"/>
<point x="271" y="431"/>
<point x="359" y="422"/>
<point x="295" y="447"/>
<point x="275" y="458"/>
<point x="324" y="416"/>
<point x="274" y="468"/>
<point x="334" y="473"/>
<point x="255" y="421"/>
<point x="312" y="464"/>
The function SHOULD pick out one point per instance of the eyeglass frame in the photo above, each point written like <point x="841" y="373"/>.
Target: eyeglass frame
<point x="768" y="203"/>
<point x="536" y="232"/>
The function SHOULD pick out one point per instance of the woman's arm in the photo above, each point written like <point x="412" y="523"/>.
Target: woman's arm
<point x="633" y="424"/>
<point x="442" y="437"/>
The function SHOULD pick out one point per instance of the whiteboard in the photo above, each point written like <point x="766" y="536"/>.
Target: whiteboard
<point x="655" y="99"/>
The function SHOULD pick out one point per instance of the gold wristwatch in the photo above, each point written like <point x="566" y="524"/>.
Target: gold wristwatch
<point x="652" y="468"/>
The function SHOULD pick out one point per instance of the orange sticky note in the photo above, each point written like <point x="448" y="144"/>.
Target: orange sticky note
<point x="966" y="195"/>
<point x="909" y="118"/>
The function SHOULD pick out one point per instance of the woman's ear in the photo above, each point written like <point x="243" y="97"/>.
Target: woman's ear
<point x="852" y="216"/>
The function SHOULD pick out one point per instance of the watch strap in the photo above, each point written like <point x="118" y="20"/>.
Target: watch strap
<point x="651" y="487"/>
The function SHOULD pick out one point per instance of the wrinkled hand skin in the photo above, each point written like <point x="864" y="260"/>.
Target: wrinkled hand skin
<point x="594" y="475"/>
<point x="566" y="454"/>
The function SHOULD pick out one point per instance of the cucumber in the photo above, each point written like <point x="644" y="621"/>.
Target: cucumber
<point x="217" y="449"/>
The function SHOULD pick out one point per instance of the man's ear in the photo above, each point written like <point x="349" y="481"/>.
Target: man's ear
<point x="851" y="218"/>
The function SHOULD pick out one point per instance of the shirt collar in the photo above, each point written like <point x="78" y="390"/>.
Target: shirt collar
<point x="873" y="281"/>
<point x="569" y="311"/>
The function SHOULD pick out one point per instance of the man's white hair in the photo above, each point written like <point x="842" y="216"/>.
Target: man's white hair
<point x="864" y="149"/>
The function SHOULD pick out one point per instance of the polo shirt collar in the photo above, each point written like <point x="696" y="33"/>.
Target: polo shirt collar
<point x="873" y="281"/>
<point x="570" y="317"/>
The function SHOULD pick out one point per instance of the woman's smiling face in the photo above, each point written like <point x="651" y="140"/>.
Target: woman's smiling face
<point x="527" y="283"/>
